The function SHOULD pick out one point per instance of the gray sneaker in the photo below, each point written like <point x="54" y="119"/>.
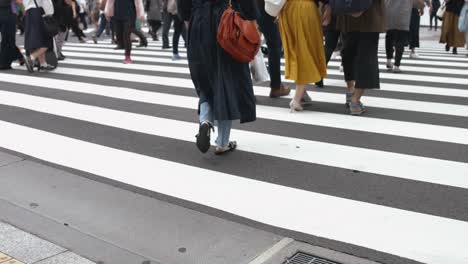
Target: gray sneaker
<point x="356" y="109"/>
<point x="176" y="57"/>
<point x="362" y="106"/>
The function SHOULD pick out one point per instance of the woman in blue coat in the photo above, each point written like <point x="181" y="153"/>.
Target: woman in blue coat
<point x="223" y="84"/>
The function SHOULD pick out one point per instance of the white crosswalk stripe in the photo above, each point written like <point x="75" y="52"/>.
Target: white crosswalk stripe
<point x="415" y="132"/>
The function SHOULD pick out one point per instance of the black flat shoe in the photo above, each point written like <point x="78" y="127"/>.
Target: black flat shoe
<point x="118" y="48"/>
<point x="204" y="136"/>
<point x="231" y="147"/>
<point x="319" y="84"/>
<point x="143" y="45"/>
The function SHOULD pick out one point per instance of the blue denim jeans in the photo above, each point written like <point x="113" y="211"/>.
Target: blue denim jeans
<point x="224" y="126"/>
<point x="102" y="25"/>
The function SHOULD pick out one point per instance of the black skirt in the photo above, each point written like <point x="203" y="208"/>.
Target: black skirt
<point x="35" y="36"/>
<point x="360" y="59"/>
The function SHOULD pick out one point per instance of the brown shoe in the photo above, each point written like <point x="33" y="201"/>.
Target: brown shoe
<point x="282" y="91"/>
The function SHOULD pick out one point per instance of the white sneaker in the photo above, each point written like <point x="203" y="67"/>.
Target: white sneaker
<point x="389" y="64"/>
<point x="396" y="69"/>
<point x="414" y="55"/>
<point x="341" y="68"/>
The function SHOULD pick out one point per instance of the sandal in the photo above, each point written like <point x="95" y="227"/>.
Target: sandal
<point x="203" y="137"/>
<point x="230" y="147"/>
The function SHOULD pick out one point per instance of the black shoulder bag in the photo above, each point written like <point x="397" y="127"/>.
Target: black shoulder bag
<point x="51" y="25"/>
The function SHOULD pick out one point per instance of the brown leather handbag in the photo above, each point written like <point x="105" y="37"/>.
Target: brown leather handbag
<point x="240" y="38"/>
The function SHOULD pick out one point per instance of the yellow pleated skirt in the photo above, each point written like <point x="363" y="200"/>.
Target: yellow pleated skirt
<point x="302" y="37"/>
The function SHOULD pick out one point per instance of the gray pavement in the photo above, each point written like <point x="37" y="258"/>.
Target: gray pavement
<point x="18" y="246"/>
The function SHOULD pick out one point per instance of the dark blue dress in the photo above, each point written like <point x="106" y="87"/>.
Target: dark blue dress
<point x="219" y="79"/>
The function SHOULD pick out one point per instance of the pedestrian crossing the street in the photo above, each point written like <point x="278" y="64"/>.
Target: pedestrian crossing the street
<point x="394" y="180"/>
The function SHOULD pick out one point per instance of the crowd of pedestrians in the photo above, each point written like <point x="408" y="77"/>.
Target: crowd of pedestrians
<point x="306" y="32"/>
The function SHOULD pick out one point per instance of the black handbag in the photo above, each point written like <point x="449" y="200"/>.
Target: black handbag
<point x="341" y="7"/>
<point x="51" y="25"/>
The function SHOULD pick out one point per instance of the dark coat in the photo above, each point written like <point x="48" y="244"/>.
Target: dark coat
<point x="455" y="6"/>
<point x="219" y="80"/>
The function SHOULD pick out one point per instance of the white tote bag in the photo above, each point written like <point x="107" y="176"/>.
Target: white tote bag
<point x="273" y="7"/>
<point x="258" y="69"/>
<point x="441" y="12"/>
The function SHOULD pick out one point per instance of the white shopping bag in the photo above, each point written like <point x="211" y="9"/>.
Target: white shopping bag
<point x="259" y="70"/>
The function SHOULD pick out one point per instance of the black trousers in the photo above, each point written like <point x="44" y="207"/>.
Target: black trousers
<point x="75" y="27"/>
<point x="123" y="30"/>
<point x="395" y="42"/>
<point x="360" y="59"/>
<point x="178" y="31"/>
<point x="414" y="29"/>
<point x="332" y="37"/>
<point x="82" y="17"/>
<point x="155" y="26"/>
<point x="140" y="35"/>
<point x="273" y="40"/>
<point x="8" y="50"/>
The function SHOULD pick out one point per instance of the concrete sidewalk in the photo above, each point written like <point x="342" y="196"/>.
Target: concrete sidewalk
<point x="19" y="247"/>
<point x="112" y="224"/>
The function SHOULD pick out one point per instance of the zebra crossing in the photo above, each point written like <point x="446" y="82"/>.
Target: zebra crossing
<point x="394" y="180"/>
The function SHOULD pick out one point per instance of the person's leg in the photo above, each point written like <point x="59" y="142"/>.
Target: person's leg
<point x="83" y="21"/>
<point x="367" y="75"/>
<point x="118" y="26"/>
<point x="59" y="42"/>
<point x="349" y="53"/>
<point x="332" y="38"/>
<point x="8" y="49"/>
<point x="102" y="25"/>
<point x="39" y="54"/>
<point x="400" y="48"/>
<point x="152" y="26"/>
<point x="206" y="124"/>
<point x="141" y="36"/>
<point x="157" y="27"/>
<point x="128" y="27"/>
<point x="224" y="133"/>
<point x="166" y="27"/>
<point x="331" y="42"/>
<point x="389" y="43"/>
<point x="178" y="26"/>
<point x="431" y="18"/>
<point x="272" y="36"/>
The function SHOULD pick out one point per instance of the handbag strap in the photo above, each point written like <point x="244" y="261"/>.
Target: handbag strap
<point x="37" y="6"/>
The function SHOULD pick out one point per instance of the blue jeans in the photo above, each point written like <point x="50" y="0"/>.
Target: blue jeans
<point x="102" y="25"/>
<point x="224" y="126"/>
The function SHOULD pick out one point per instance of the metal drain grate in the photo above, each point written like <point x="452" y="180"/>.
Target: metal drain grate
<point x="303" y="258"/>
